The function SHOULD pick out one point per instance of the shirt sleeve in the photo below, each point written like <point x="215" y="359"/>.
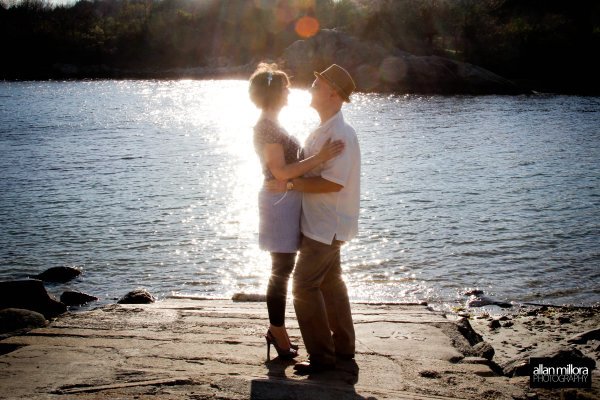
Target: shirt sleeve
<point x="337" y="170"/>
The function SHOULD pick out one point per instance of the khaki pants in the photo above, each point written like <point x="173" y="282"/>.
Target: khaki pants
<point x="321" y="302"/>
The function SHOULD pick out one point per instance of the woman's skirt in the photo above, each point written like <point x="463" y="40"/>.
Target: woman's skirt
<point x="279" y="221"/>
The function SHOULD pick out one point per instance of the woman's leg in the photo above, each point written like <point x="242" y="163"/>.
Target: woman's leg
<point x="281" y="268"/>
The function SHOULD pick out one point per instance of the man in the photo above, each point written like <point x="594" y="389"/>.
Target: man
<point x="330" y="207"/>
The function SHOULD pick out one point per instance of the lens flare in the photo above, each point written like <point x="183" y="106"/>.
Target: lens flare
<point x="307" y="27"/>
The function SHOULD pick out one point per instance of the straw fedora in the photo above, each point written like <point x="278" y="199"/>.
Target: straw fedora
<point x="339" y="79"/>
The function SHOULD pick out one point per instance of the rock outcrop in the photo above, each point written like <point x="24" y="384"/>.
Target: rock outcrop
<point x="249" y="297"/>
<point x="73" y="298"/>
<point x="593" y="334"/>
<point x="484" y="350"/>
<point x="58" y="274"/>
<point x="138" y="296"/>
<point x="482" y="301"/>
<point x="17" y="319"/>
<point x="376" y="69"/>
<point x="465" y="328"/>
<point x="29" y="294"/>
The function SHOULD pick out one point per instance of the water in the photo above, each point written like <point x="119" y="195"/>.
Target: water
<point x="153" y="184"/>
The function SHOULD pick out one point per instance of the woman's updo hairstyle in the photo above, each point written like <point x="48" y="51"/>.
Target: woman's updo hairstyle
<point x="266" y="86"/>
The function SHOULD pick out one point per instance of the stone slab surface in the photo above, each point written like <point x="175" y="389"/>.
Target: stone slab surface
<point x="214" y="349"/>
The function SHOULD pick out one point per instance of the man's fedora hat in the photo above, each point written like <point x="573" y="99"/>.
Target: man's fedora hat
<point x="339" y="79"/>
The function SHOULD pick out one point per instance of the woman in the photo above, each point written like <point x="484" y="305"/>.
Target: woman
<point x="279" y="215"/>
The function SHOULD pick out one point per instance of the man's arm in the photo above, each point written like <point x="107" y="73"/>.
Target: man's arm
<point x="306" y="185"/>
<point x="315" y="185"/>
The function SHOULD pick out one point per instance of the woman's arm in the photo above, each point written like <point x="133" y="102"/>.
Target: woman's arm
<point x="275" y="160"/>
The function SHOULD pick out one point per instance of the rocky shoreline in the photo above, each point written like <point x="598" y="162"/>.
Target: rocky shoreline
<point x="473" y="353"/>
<point x="543" y="331"/>
<point x="25" y="304"/>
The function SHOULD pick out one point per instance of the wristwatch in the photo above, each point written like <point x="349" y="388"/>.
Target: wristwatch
<point x="289" y="185"/>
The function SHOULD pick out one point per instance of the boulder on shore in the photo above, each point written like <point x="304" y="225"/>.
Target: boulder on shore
<point x="73" y="298"/>
<point x="484" y="350"/>
<point x="249" y="297"/>
<point x="58" y="274"/>
<point x="593" y="334"/>
<point x="482" y="301"/>
<point x="16" y="319"/>
<point x="377" y="69"/>
<point x="138" y="296"/>
<point x="29" y="294"/>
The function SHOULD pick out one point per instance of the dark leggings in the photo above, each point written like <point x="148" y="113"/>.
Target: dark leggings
<point x="281" y="268"/>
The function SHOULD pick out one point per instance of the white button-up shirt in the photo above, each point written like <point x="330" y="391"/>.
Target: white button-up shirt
<point x="326" y="216"/>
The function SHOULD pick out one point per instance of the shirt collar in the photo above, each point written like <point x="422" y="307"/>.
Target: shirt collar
<point x="325" y="125"/>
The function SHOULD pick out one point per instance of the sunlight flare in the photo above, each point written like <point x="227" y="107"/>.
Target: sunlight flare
<point x="239" y="218"/>
<point x="307" y="27"/>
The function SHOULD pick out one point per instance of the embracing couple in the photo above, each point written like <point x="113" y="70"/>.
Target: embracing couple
<point x="308" y="204"/>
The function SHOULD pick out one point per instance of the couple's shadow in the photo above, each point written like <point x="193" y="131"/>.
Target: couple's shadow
<point x="334" y="384"/>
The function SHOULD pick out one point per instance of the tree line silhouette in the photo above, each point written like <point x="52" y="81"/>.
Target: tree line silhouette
<point x="549" y="41"/>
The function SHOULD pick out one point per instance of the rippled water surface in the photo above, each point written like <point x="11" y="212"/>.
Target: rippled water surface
<point x="153" y="184"/>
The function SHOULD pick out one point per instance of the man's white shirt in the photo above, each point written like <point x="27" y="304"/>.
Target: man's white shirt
<point x="326" y="216"/>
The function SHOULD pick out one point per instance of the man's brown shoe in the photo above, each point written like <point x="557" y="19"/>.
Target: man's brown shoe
<point x="307" y="368"/>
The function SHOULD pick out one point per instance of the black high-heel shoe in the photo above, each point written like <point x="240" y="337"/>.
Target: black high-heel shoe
<point x="285" y="354"/>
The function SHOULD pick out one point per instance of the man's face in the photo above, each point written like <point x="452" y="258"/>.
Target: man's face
<point x="320" y="92"/>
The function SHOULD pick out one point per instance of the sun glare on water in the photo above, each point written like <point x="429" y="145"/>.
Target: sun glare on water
<point x="227" y="118"/>
<point x="236" y="115"/>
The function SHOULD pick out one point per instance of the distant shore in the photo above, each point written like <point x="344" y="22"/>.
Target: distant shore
<point x="72" y="72"/>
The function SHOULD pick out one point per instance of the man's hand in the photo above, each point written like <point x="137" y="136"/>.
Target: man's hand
<point x="275" y="186"/>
